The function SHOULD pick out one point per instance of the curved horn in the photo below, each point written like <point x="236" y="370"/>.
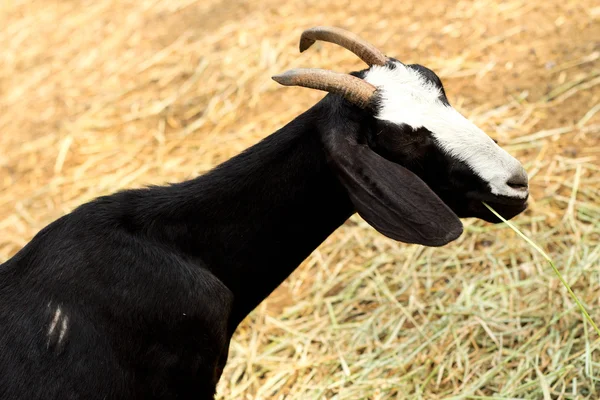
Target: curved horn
<point x="366" y="51"/>
<point x="355" y="90"/>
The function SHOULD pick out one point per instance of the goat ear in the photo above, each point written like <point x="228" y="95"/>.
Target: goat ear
<point x="392" y="199"/>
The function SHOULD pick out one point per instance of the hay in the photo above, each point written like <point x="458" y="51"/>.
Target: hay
<point x="96" y="96"/>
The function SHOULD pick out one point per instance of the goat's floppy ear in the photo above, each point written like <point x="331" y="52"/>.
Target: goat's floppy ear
<point x="392" y="199"/>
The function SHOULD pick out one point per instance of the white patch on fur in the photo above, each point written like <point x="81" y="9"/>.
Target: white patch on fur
<point x="408" y="98"/>
<point x="63" y="329"/>
<point x="54" y="321"/>
<point x="58" y="327"/>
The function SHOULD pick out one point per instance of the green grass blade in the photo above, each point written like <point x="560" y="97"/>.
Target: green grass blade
<point x="543" y="253"/>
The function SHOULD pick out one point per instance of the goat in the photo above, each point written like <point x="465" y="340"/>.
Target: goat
<point x="136" y="295"/>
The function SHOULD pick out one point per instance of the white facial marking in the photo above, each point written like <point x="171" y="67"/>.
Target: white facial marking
<point x="409" y="98"/>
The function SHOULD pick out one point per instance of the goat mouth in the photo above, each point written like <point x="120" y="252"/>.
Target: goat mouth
<point x="507" y="207"/>
<point x="507" y="210"/>
<point x="493" y="199"/>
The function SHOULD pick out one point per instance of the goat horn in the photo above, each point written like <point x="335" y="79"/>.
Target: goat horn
<point x="355" y="90"/>
<point x="364" y="50"/>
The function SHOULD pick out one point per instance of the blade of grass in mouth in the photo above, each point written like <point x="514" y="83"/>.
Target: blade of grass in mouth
<point x="543" y="253"/>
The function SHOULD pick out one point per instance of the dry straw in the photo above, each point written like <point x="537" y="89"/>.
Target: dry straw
<point x="547" y="257"/>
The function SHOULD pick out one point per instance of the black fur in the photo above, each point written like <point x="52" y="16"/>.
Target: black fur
<point x="152" y="283"/>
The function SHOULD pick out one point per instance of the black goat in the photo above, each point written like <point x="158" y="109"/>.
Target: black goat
<point x="136" y="295"/>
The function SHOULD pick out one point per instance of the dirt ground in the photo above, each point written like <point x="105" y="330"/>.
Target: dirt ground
<point x="97" y="96"/>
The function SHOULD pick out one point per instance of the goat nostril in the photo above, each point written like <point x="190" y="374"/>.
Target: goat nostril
<point x="518" y="185"/>
<point x="518" y="180"/>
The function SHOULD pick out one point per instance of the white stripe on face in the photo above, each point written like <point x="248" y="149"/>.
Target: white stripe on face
<point x="409" y="98"/>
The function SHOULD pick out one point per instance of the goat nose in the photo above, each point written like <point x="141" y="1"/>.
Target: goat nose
<point x="519" y="180"/>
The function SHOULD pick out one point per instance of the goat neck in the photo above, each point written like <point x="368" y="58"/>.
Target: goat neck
<point x="253" y="219"/>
